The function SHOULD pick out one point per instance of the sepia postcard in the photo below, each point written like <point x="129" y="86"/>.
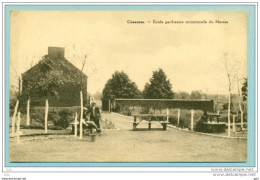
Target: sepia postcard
<point x="128" y="86"/>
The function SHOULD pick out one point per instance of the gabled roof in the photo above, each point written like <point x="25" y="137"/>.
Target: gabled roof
<point x="55" y="63"/>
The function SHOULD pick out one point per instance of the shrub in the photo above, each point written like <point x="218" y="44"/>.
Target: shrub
<point x="225" y="106"/>
<point x="37" y="118"/>
<point x="32" y="127"/>
<point x="184" y="123"/>
<point x="61" y="118"/>
<point x="200" y="126"/>
<point x="55" y="128"/>
<point x="173" y="120"/>
<point x="210" y="128"/>
<point x="144" y="110"/>
<point x="40" y="127"/>
<point x="54" y="117"/>
<point x="127" y="112"/>
<point x="116" y="108"/>
<point x="64" y="118"/>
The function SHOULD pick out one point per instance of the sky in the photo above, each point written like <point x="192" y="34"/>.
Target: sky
<point x="191" y="54"/>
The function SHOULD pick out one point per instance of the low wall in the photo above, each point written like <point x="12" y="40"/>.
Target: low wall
<point x="207" y="105"/>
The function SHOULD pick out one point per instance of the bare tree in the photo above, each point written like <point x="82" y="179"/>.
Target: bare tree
<point x="81" y="96"/>
<point x="76" y="58"/>
<point x="238" y="81"/>
<point x="237" y="77"/>
<point x="229" y="71"/>
<point x="17" y="100"/>
<point x="16" y="107"/>
<point x="29" y="99"/>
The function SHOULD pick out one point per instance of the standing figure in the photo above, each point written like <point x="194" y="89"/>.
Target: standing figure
<point x="94" y="115"/>
<point x="205" y="116"/>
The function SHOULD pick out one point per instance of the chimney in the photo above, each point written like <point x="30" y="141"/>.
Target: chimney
<point x="56" y="52"/>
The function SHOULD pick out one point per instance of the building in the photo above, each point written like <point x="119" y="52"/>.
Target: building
<point x="68" y="92"/>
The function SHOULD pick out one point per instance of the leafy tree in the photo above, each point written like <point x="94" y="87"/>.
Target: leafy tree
<point x="159" y="87"/>
<point x="182" y="95"/>
<point x="48" y="81"/>
<point x="196" y="95"/>
<point x="61" y="118"/>
<point x="244" y="90"/>
<point x="120" y="86"/>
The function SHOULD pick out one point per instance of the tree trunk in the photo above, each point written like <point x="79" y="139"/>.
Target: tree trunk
<point x="239" y="101"/>
<point x="76" y="125"/>
<point x="18" y="128"/>
<point x="46" y="114"/>
<point x="229" y="103"/>
<point x="234" y="124"/>
<point x="109" y="106"/>
<point x="81" y="114"/>
<point x="179" y="114"/>
<point x="28" y="113"/>
<point x="242" y="117"/>
<point x="14" y="115"/>
<point x="167" y="112"/>
<point x="241" y="111"/>
<point x="191" y="122"/>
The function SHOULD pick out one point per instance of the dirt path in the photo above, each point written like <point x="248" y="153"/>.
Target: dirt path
<point x="125" y="145"/>
<point x="126" y="123"/>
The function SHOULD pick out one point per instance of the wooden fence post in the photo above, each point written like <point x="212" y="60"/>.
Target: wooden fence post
<point x="179" y="114"/>
<point x="109" y="106"/>
<point x="46" y="116"/>
<point x="241" y="121"/>
<point x="234" y="124"/>
<point x="191" y="125"/>
<point x="149" y="123"/>
<point x="134" y="124"/>
<point x="81" y="115"/>
<point x="76" y="125"/>
<point x="228" y="128"/>
<point x="28" y="113"/>
<point x="14" y="115"/>
<point x="18" y="128"/>
<point x="167" y="114"/>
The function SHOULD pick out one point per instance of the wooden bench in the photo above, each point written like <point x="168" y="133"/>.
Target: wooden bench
<point x="85" y="125"/>
<point x="151" y="117"/>
<point x="73" y="126"/>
